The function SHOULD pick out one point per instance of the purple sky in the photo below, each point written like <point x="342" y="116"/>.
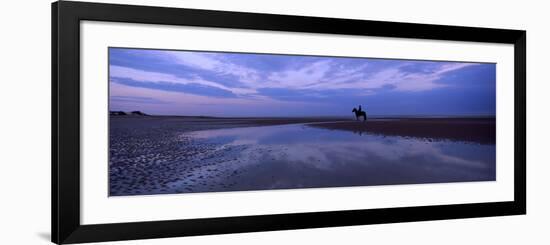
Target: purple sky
<point x="164" y="82"/>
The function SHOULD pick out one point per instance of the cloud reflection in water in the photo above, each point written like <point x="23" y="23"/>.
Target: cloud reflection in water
<point x="299" y="156"/>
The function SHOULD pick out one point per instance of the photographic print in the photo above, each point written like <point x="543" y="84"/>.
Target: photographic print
<point x="205" y="121"/>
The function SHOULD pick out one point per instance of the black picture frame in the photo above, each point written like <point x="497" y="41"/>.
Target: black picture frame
<point x="66" y="17"/>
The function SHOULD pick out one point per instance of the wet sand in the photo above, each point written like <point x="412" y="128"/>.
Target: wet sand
<point x="478" y="130"/>
<point x="148" y="154"/>
<point x="159" y="155"/>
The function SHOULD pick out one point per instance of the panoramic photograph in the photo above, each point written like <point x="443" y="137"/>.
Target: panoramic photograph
<point x="203" y="121"/>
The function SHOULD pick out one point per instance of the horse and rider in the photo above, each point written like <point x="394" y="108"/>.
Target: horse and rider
<point x="360" y="113"/>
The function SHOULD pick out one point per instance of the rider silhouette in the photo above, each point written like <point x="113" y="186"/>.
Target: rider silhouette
<point x="359" y="113"/>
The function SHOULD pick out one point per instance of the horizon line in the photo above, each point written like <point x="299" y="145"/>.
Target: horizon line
<point x="317" y="116"/>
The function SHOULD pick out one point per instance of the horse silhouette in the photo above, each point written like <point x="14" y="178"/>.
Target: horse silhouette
<point x="359" y="113"/>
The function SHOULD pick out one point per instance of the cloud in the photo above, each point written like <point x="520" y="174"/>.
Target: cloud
<point x="128" y="98"/>
<point x="393" y="77"/>
<point x="299" y="78"/>
<point x="136" y="99"/>
<point x="157" y="77"/>
<point x="214" y="63"/>
<point x="330" y="75"/>
<point x="251" y="78"/>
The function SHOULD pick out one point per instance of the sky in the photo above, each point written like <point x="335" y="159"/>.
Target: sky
<point x="196" y="83"/>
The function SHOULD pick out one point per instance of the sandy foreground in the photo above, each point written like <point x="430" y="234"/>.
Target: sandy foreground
<point x="153" y="154"/>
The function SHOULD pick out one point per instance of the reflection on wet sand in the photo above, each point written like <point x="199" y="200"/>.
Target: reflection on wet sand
<point x="297" y="156"/>
<point x="302" y="156"/>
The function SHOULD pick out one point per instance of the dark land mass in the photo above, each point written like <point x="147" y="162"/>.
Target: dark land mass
<point x="479" y="130"/>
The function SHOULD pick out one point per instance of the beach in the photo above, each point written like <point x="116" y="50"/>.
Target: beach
<point x="479" y="130"/>
<point x="174" y="154"/>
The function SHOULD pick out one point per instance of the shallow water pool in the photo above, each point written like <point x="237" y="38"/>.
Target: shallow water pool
<point x="300" y="156"/>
